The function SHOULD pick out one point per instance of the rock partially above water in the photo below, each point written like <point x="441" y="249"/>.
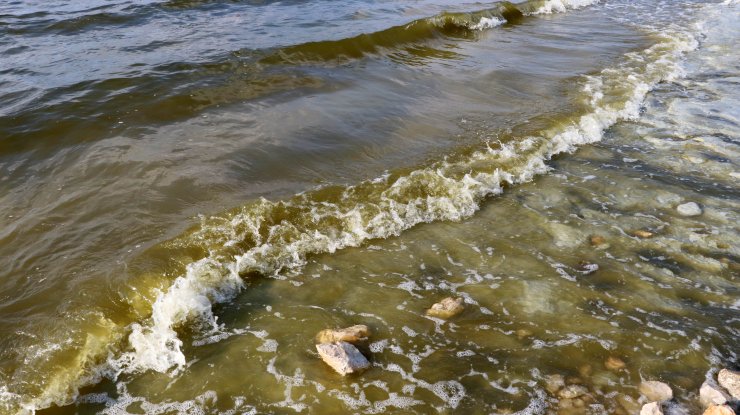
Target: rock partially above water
<point x="711" y="395"/>
<point x="730" y="380"/>
<point x="689" y="209"/>
<point x="719" y="410"/>
<point x="652" y="408"/>
<point x="656" y="391"/>
<point x="342" y="357"/>
<point x="446" y="308"/>
<point x="350" y="334"/>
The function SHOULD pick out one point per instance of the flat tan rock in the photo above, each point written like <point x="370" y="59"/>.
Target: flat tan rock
<point x="352" y="334"/>
<point x="343" y="357"/>
<point x="652" y="408"/>
<point x="730" y="380"/>
<point x="446" y="308"/>
<point x="656" y="391"/>
<point x="719" y="410"/>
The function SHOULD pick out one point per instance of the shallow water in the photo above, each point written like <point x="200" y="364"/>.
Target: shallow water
<point x="192" y="190"/>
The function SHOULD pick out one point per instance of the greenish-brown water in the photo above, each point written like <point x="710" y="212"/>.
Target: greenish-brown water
<point x="356" y="176"/>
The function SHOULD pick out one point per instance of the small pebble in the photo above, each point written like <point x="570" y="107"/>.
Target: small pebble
<point x="640" y="233"/>
<point x="446" y="308"/>
<point x="689" y="209"/>
<point x="597" y="240"/>
<point x="614" y="363"/>
<point x="572" y="391"/>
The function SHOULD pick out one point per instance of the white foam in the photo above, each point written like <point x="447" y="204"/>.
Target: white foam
<point x="561" y="6"/>
<point x="488" y="23"/>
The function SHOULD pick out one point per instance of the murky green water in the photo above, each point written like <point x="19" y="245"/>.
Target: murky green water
<point x="190" y="191"/>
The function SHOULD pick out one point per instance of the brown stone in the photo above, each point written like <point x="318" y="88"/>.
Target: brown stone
<point x="352" y="334"/>
<point x="640" y="233"/>
<point x="614" y="363"/>
<point x="446" y="308"/>
<point x="597" y="240"/>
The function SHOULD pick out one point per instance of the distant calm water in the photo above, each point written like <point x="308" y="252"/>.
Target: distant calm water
<point x="190" y="190"/>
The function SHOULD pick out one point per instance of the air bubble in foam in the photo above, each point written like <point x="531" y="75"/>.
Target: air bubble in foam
<point x="450" y="391"/>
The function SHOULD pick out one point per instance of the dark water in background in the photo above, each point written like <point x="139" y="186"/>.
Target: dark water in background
<point x="190" y="190"/>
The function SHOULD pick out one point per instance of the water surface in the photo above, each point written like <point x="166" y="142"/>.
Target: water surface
<point x="191" y="190"/>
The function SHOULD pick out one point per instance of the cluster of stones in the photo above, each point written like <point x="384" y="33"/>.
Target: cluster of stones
<point x="574" y="398"/>
<point x="716" y="399"/>
<point x="338" y="347"/>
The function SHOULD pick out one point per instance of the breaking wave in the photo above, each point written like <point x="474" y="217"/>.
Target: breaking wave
<point x="463" y="25"/>
<point x="271" y="237"/>
<point x="268" y="238"/>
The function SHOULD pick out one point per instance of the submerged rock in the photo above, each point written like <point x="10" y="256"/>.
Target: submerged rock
<point x="614" y="363"/>
<point x="730" y="380"/>
<point x="629" y="404"/>
<point x="575" y="406"/>
<point x="446" y="308"/>
<point x="597" y="240"/>
<point x="719" y="410"/>
<point x="572" y="391"/>
<point x="342" y="357"/>
<point x="641" y="233"/>
<point x="350" y="334"/>
<point x="711" y="395"/>
<point x="586" y="370"/>
<point x="553" y="383"/>
<point x="652" y="408"/>
<point x="523" y="333"/>
<point x="656" y="391"/>
<point x="689" y="209"/>
<point x="565" y="236"/>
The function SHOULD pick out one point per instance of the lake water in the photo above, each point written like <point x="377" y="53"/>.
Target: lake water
<point x="190" y="190"/>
